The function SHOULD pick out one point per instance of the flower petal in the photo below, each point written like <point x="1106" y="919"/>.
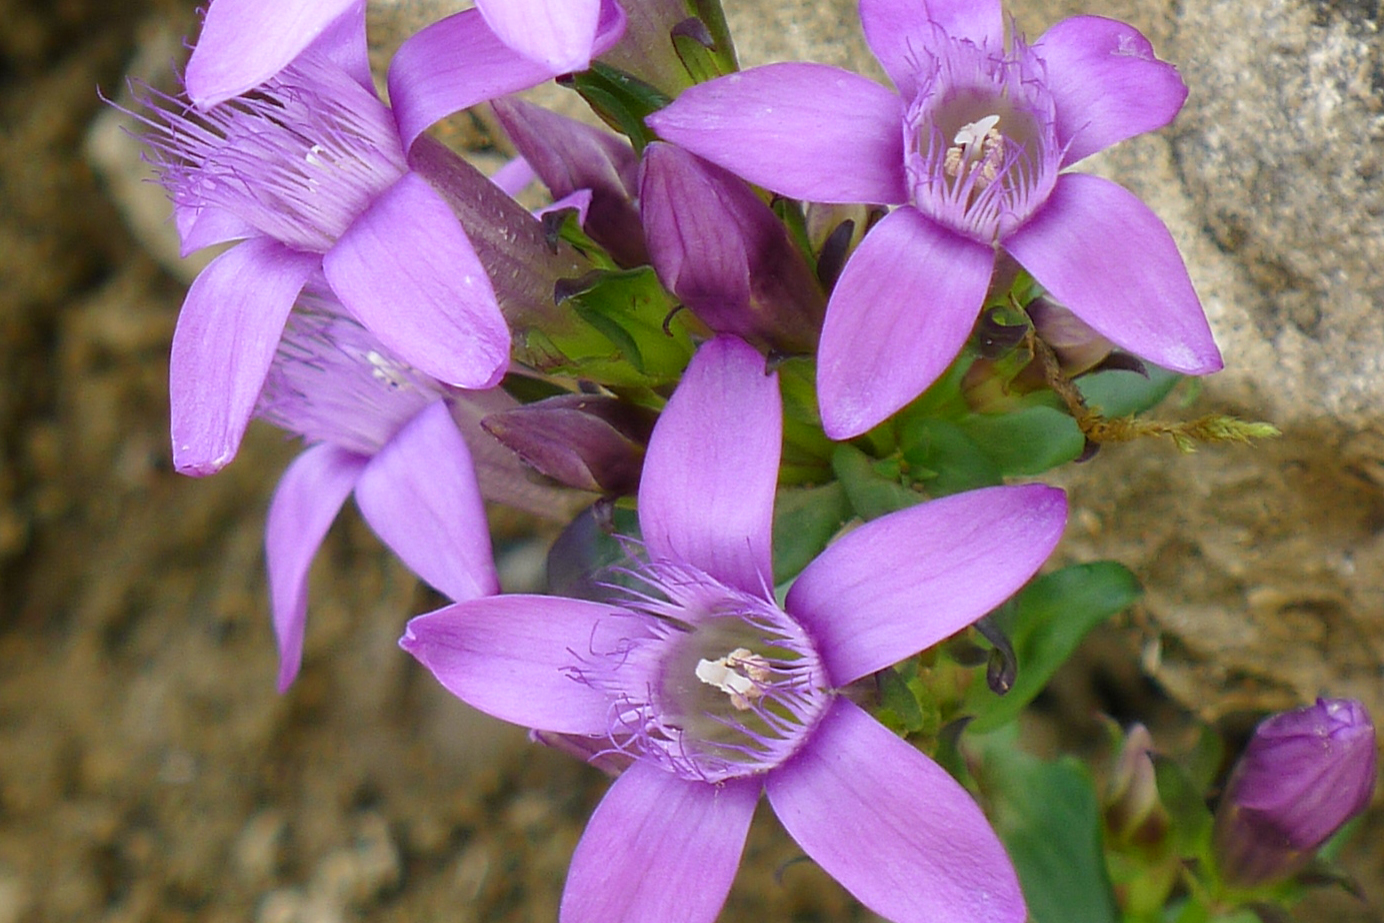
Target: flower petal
<point x="905" y="581"/>
<point x="223" y="345"/>
<point x="1106" y="83"/>
<point x="1104" y="255"/>
<point x="803" y="130"/>
<point x="897" y="29"/>
<point x="407" y="271"/>
<point x="891" y="826"/>
<point x="206" y="225"/>
<point x="305" y="504"/>
<point x="419" y="494"/>
<point x="245" y="42"/>
<point x="555" y="33"/>
<point x="706" y="497"/>
<point x="512" y="657"/>
<point x="898" y="316"/>
<point x="458" y="62"/>
<point x="659" y="847"/>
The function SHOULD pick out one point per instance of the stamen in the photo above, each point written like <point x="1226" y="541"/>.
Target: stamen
<point x="743" y="688"/>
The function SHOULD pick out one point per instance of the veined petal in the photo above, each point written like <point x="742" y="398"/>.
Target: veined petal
<point x="407" y="271"/>
<point x="245" y="42"/>
<point x="555" y="33"/>
<point x="419" y="494"/>
<point x="659" y="847"/>
<point x="1106" y="83"/>
<point x="223" y="345"/>
<point x="898" y="316"/>
<point x="1104" y="255"/>
<point x="905" y="581"/>
<point x="803" y="130"/>
<point x="206" y="225"/>
<point x="305" y="504"/>
<point x="897" y="30"/>
<point x="458" y="62"/>
<point x="891" y="826"/>
<point x="706" y="497"/>
<point x="512" y="658"/>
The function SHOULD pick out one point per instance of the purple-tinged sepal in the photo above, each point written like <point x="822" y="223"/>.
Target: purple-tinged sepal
<point x="1303" y="774"/>
<point x="725" y="254"/>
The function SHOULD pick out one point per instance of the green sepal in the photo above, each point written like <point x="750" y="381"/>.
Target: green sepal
<point x="944" y="459"/>
<point x="632" y="335"/>
<point x="621" y="100"/>
<point x="1045" y="622"/>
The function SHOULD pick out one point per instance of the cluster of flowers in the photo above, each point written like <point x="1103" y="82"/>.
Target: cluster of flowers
<point x="382" y="299"/>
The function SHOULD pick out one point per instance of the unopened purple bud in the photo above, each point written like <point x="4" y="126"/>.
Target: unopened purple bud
<point x="1078" y="347"/>
<point x="1133" y="813"/>
<point x="583" y="441"/>
<point x="725" y="254"/>
<point x="1302" y="776"/>
<point x="569" y="156"/>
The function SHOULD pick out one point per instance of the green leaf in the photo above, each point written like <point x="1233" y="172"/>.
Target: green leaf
<point x="1119" y="394"/>
<point x="620" y="99"/>
<point x="872" y="493"/>
<point x="805" y="519"/>
<point x="1045" y="622"/>
<point x="1048" y="816"/>
<point x="1025" y="442"/>
<point x="900" y="710"/>
<point x="1185" y="802"/>
<point x="944" y="458"/>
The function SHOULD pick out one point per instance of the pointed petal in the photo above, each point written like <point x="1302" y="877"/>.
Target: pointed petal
<point x="1104" y="255"/>
<point x="245" y="42"/>
<point x="803" y="130"/>
<point x="897" y="29"/>
<point x="207" y="225"/>
<point x="659" y="847"/>
<point x="458" y="62"/>
<point x="905" y="581"/>
<point x="891" y="826"/>
<point x="898" y="316"/>
<point x="406" y="270"/>
<point x="1106" y="83"/>
<point x="555" y="33"/>
<point x="515" y="176"/>
<point x="706" y="497"/>
<point x="223" y="345"/>
<point x="419" y="494"/>
<point x="513" y="658"/>
<point x="305" y="504"/>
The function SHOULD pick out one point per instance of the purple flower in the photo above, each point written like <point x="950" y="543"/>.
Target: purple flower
<point x="1303" y="774"/>
<point x="246" y="42"/>
<point x="718" y="694"/>
<point x="380" y="428"/>
<point x="314" y="174"/>
<point x="971" y="147"/>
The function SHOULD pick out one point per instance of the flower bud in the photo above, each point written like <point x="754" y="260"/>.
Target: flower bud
<point x="1078" y="348"/>
<point x="1133" y="813"/>
<point x="1303" y="774"/>
<point x="583" y="441"/>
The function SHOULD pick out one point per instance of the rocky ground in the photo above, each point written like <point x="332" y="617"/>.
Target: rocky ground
<point x="148" y="770"/>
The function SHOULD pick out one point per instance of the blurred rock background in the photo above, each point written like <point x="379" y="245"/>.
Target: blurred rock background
<point x="148" y="771"/>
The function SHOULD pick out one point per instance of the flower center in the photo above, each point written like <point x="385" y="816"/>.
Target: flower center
<point x="708" y="681"/>
<point x="979" y="139"/>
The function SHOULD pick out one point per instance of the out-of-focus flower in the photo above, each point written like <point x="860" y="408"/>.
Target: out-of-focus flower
<point x="970" y="146"/>
<point x="1133" y="812"/>
<point x="313" y="174"/>
<point x="383" y="430"/>
<point x="246" y="42"/>
<point x="718" y="694"/>
<point x="1303" y="774"/>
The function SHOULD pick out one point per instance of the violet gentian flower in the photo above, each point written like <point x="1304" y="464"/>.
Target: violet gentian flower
<point x="718" y="694"/>
<point x="380" y="428"/>
<point x="246" y="42"/>
<point x="1303" y="774"/>
<point x="970" y="146"/>
<point x="312" y="173"/>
